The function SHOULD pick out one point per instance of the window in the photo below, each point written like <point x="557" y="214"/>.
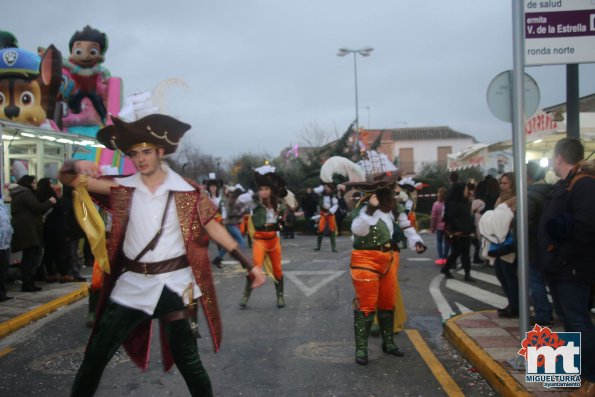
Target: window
<point x="406" y="163"/>
<point x="443" y="152"/>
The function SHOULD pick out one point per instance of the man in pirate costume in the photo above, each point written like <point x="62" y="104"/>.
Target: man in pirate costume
<point x="328" y="207"/>
<point x="374" y="262"/>
<point x="157" y="264"/>
<point x="266" y="244"/>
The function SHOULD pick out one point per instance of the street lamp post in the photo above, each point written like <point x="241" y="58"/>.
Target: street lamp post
<point x="363" y="52"/>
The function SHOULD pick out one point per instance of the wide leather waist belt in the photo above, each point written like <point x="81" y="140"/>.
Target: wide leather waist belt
<point x="383" y="248"/>
<point x="166" y="266"/>
<point x="266" y="228"/>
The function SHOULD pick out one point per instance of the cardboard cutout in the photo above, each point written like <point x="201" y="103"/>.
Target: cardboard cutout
<point x="29" y="85"/>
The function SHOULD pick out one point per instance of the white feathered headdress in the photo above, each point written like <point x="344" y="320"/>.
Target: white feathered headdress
<point x="341" y="166"/>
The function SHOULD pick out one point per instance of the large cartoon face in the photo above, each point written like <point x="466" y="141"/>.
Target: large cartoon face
<point x="20" y="100"/>
<point x="86" y="54"/>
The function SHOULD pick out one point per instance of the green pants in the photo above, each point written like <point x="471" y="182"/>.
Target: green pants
<point x="115" y="325"/>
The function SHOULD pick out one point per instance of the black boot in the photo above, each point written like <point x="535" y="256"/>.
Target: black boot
<point x="386" y="320"/>
<point x="361" y="325"/>
<point x="247" y="292"/>
<point x="279" y="289"/>
<point x="29" y="284"/>
<point x="318" y="242"/>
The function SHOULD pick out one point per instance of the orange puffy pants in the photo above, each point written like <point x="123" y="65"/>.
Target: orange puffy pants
<point x="374" y="278"/>
<point x="267" y="243"/>
<point x="324" y="219"/>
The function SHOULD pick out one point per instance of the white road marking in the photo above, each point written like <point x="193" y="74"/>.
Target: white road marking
<point x="463" y="308"/>
<point x="476" y="293"/>
<point x="419" y="259"/>
<point x="441" y="303"/>
<point x="324" y="260"/>
<point x="488" y="278"/>
<point x="330" y="275"/>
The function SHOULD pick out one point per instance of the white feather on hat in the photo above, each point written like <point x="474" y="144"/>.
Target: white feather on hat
<point x="341" y="166"/>
<point x="265" y="169"/>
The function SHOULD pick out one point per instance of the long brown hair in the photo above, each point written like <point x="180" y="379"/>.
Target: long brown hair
<point x="386" y="199"/>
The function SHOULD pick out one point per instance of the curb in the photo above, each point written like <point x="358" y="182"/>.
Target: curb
<point x="504" y="383"/>
<point x="14" y="324"/>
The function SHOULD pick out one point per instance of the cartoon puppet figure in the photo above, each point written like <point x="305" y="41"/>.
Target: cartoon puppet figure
<point x="87" y="52"/>
<point x="28" y="86"/>
<point x="7" y="40"/>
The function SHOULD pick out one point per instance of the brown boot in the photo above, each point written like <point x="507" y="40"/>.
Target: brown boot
<point x="586" y="390"/>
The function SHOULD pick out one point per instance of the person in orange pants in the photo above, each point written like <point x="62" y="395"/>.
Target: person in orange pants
<point x="266" y="244"/>
<point x="373" y="271"/>
<point x="328" y="207"/>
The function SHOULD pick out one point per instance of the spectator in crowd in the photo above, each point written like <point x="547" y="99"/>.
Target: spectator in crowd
<point x="437" y="226"/>
<point x="5" y="237"/>
<point x="565" y="242"/>
<point x="507" y="269"/>
<point x="309" y="204"/>
<point x="55" y="235"/>
<point x="537" y="193"/>
<point x="74" y="236"/>
<point x="459" y="229"/>
<point x="492" y="192"/>
<point x="27" y="222"/>
<point x="477" y="206"/>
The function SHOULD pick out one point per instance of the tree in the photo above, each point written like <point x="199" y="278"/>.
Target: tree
<point x="189" y="162"/>
<point x="242" y="169"/>
<point x="313" y="136"/>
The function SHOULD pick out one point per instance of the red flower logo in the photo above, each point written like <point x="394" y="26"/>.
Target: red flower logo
<point x="539" y="337"/>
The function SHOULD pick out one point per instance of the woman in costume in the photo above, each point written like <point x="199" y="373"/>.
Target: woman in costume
<point x="374" y="260"/>
<point x="266" y="244"/>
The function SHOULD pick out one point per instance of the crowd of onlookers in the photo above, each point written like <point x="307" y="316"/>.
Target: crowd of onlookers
<point x="561" y="235"/>
<point x="43" y="228"/>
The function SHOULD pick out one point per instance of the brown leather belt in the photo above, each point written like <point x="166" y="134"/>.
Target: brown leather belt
<point x="151" y="268"/>
<point x="267" y="228"/>
<point x="382" y="248"/>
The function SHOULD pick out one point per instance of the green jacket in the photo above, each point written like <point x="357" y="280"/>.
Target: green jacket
<point x="259" y="217"/>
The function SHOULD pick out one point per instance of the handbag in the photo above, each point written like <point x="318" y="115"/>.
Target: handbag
<point x="508" y="246"/>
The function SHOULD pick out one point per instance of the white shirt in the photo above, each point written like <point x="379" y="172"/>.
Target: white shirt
<point x="360" y="226"/>
<point x="136" y="290"/>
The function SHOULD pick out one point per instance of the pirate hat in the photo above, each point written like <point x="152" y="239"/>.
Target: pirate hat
<point x="273" y="181"/>
<point x="155" y="129"/>
<point x="385" y="180"/>
<point x="212" y="180"/>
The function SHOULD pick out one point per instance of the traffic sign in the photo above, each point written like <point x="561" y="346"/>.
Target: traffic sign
<point x="500" y="98"/>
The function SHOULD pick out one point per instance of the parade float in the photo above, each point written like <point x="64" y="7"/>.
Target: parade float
<point x="52" y="107"/>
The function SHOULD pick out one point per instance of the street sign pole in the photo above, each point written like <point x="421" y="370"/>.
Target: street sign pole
<point x="518" y="142"/>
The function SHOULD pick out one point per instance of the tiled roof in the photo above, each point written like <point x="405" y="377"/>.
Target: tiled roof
<point x="426" y="134"/>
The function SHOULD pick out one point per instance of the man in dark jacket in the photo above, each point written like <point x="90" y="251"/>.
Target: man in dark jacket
<point x="537" y="192"/>
<point x="309" y="204"/>
<point x="27" y="222"/>
<point x="565" y="246"/>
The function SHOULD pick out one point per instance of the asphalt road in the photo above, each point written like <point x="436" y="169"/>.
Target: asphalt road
<point x="304" y="349"/>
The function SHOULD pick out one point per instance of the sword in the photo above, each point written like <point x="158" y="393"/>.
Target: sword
<point x="192" y="307"/>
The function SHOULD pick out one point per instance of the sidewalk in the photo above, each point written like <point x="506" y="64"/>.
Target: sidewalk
<point x="27" y="307"/>
<point x="488" y="342"/>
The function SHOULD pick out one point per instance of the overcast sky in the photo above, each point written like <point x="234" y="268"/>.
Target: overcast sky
<point x="262" y="71"/>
